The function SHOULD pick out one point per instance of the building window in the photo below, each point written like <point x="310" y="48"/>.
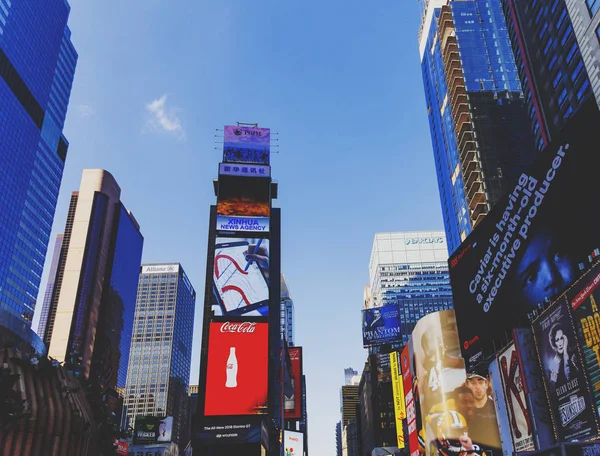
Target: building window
<point x="557" y="79"/>
<point x="577" y="71"/>
<point x="593" y="6"/>
<point x="582" y="89"/>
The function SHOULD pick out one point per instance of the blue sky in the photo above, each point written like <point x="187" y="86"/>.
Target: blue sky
<point x="341" y="84"/>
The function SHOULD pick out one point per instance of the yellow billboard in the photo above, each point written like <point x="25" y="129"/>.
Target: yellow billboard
<point x="398" y="392"/>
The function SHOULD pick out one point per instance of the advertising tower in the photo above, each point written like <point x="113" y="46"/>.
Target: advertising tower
<point x="242" y="409"/>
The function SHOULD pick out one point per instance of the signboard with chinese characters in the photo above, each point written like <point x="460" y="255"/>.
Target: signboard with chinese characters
<point x="246" y="170"/>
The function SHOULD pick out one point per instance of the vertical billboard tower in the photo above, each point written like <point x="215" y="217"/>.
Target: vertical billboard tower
<point x="241" y="334"/>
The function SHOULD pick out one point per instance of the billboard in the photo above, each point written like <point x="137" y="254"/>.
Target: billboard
<point x="160" y="268"/>
<point x="583" y="298"/>
<point x="501" y="408"/>
<point x="230" y="429"/>
<point x="237" y="369"/>
<point x="293" y="405"/>
<point x="243" y="204"/>
<point x="531" y="246"/>
<point x="228" y="169"/>
<point x="521" y="427"/>
<point x="398" y="396"/>
<point x="152" y="429"/>
<point x="241" y="277"/>
<point x="293" y="443"/>
<point x="381" y="325"/>
<point x="246" y="145"/>
<point x="565" y="383"/>
<point x="409" y="399"/>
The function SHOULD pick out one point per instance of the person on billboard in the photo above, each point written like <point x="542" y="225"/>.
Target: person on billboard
<point x="452" y="436"/>
<point x="485" y="422"/>
<point x="561" y="367"/>
<point x="546" y="269"/>
<point x="374" y="320"/>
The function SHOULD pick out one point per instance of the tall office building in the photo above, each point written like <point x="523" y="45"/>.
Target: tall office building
<point x="91" y="311"/>
<point x="586" y="22"/>
<point x="338" y="438"/>
<point x="410" y="269"/>
<point x="551" y="68"/>
<point x="478" y="120"/>
<point x="58" y="243"/>
<point x="351" y="376"/>
<point x="161" y="348"/>
<point x="287" y="312"/>
<point x="37" y="65"/>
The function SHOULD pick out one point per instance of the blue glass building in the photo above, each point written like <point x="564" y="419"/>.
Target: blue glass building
<point x="478" y="119"/>
<point x="550" y="63"/>
<point x="37" y="65"/>
<point x="161" y="348"/>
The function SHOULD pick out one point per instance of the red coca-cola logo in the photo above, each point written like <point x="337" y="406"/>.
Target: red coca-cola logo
<point x="244" y="327"/>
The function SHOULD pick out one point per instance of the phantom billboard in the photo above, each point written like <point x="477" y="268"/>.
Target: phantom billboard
<point x="532" y="245"/>
<point x="241" y="277"/>
<point x="381" y="325"/>
<point x="237" y="370"/>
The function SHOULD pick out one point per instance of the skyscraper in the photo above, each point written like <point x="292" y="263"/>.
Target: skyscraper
<point x="410" y="269"/>
<point x="480" y="129"/>
<point x="58" y="243"/>
<point x="161" y="348"/>
<point x="37" y="65"/>
<point x="90" y="316"/>
<point x="547" y="54"/>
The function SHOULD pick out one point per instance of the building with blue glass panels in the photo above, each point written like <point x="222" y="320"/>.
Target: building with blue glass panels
<point x="161" y="348"/>
<point x="550" y="64"/>
<point x="410" y="270"/>
<point x="90" y="316"/>
<point x="478" y="120"/>
<point x="37" y="65"/>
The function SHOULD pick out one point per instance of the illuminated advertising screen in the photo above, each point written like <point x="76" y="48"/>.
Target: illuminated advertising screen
<point x="521" y="427"/>
<point x="501" y="408"/>
<point x="532" y="245"/>
<point x="584" y="298"/>
<point x="562" y="368"/>
<point x="241" y="277"/>
<point x="229" y="169"/>
<point x="243" y="204"/>
<point x="237" y="369"/>
<point x="293" y="443"/>
<point x="398" y="396"/>
<point x="246" y="145"/>
<point x="226" y="430"/>
<point x="152" y="429"/>
<point x="381" y="325"/>
<point x="293" y="405"/>
<point x="412" y="407"/>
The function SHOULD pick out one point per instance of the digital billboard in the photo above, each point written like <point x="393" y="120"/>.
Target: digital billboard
<point x="381" y="325"/>
<point x="521" y="427"/>
<point x="237" y="369"/>
<point x="229" y="169"/>
<point x="532" y="245"/>
<point x="241" y="277"/>
<point x="583" y="298"/>
<point x="243" y="204"/>
<point x="566" y="388"/>
<point x="152" y="429"/>
<point x="231" y="429"/>
<point x="293" y="406"/>
<point x="293" y="443"/>
<point x="246" y="145"/>
<point x="501" y="408"/>
<point x="398" y="396"/>
<point x="412" y="407"/>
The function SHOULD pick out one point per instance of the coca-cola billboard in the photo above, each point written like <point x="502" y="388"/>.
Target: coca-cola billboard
<point x="237" y="371"/>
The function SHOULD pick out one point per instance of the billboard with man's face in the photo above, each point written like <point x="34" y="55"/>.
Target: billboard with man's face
<point x="381" y="325"/>
<point x="532" y="245"/>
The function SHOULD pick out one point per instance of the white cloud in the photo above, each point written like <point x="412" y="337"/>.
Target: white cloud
<point x="85" y="111"/>
<point x="163" y="119"/>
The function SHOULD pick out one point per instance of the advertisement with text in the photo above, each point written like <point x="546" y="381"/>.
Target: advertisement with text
<point x="413" y="412"/>
<point x="562" y="370"/>
<point x="381" y="325"/>
<point x="230" y="430"/>
<point x="246" y="145"/>
<point x="398" y="396"/>
<point x="293" y="443"/>
<point x="237" y="370"/>
<point x="293" y="404"/>
<point x="531" y="246"/>
<point x="241" y="277"/>
<point x="152" y="429"/>
<point x="494" y="376"/>
<point x="243" y="204"/>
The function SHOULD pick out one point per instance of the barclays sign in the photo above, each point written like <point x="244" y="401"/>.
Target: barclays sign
<point x="432" y="240"/>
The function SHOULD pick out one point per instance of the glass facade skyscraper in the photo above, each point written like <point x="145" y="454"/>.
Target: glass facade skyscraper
<point x="50" y="285"/>
<point x="410" y="269"/>
<point x="477" y="114"/>
<point x="37" y="66"/>
<point x="161" y="348"/>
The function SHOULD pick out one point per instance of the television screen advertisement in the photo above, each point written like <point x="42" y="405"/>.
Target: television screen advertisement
<point x="293" y="405"/>
<point x="152" y="429"/>
<point x="230" y="430"/>
<point x="398" y="397"/>
<point x="237" y="369"/>
<point x="562" y="371"/>
<point x="501" y="408"/>
<point x="409" y="400"/>
<point x="521" y="427"/>
<point x="241" y="277"/>
<point x="584" y="298"/>
<point x="381" y="325"/>
<point x="243" y="204"/>
<point x="293" y="443"/>
<point x="246" y="145"/>
<point x="531" y="246"/>
<point x="533" y="385"/>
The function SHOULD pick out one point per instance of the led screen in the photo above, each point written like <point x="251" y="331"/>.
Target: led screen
<point x="293" y="443"/>
<point x="241" y="277"/>
<point x="381" y="325"/>
<point x="293" y="405"/>
<point x="237" y="370"/>
<point x="246" y="145"/>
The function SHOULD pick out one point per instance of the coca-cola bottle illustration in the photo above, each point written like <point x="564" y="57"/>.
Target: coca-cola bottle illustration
<point x="231" y="370"/>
